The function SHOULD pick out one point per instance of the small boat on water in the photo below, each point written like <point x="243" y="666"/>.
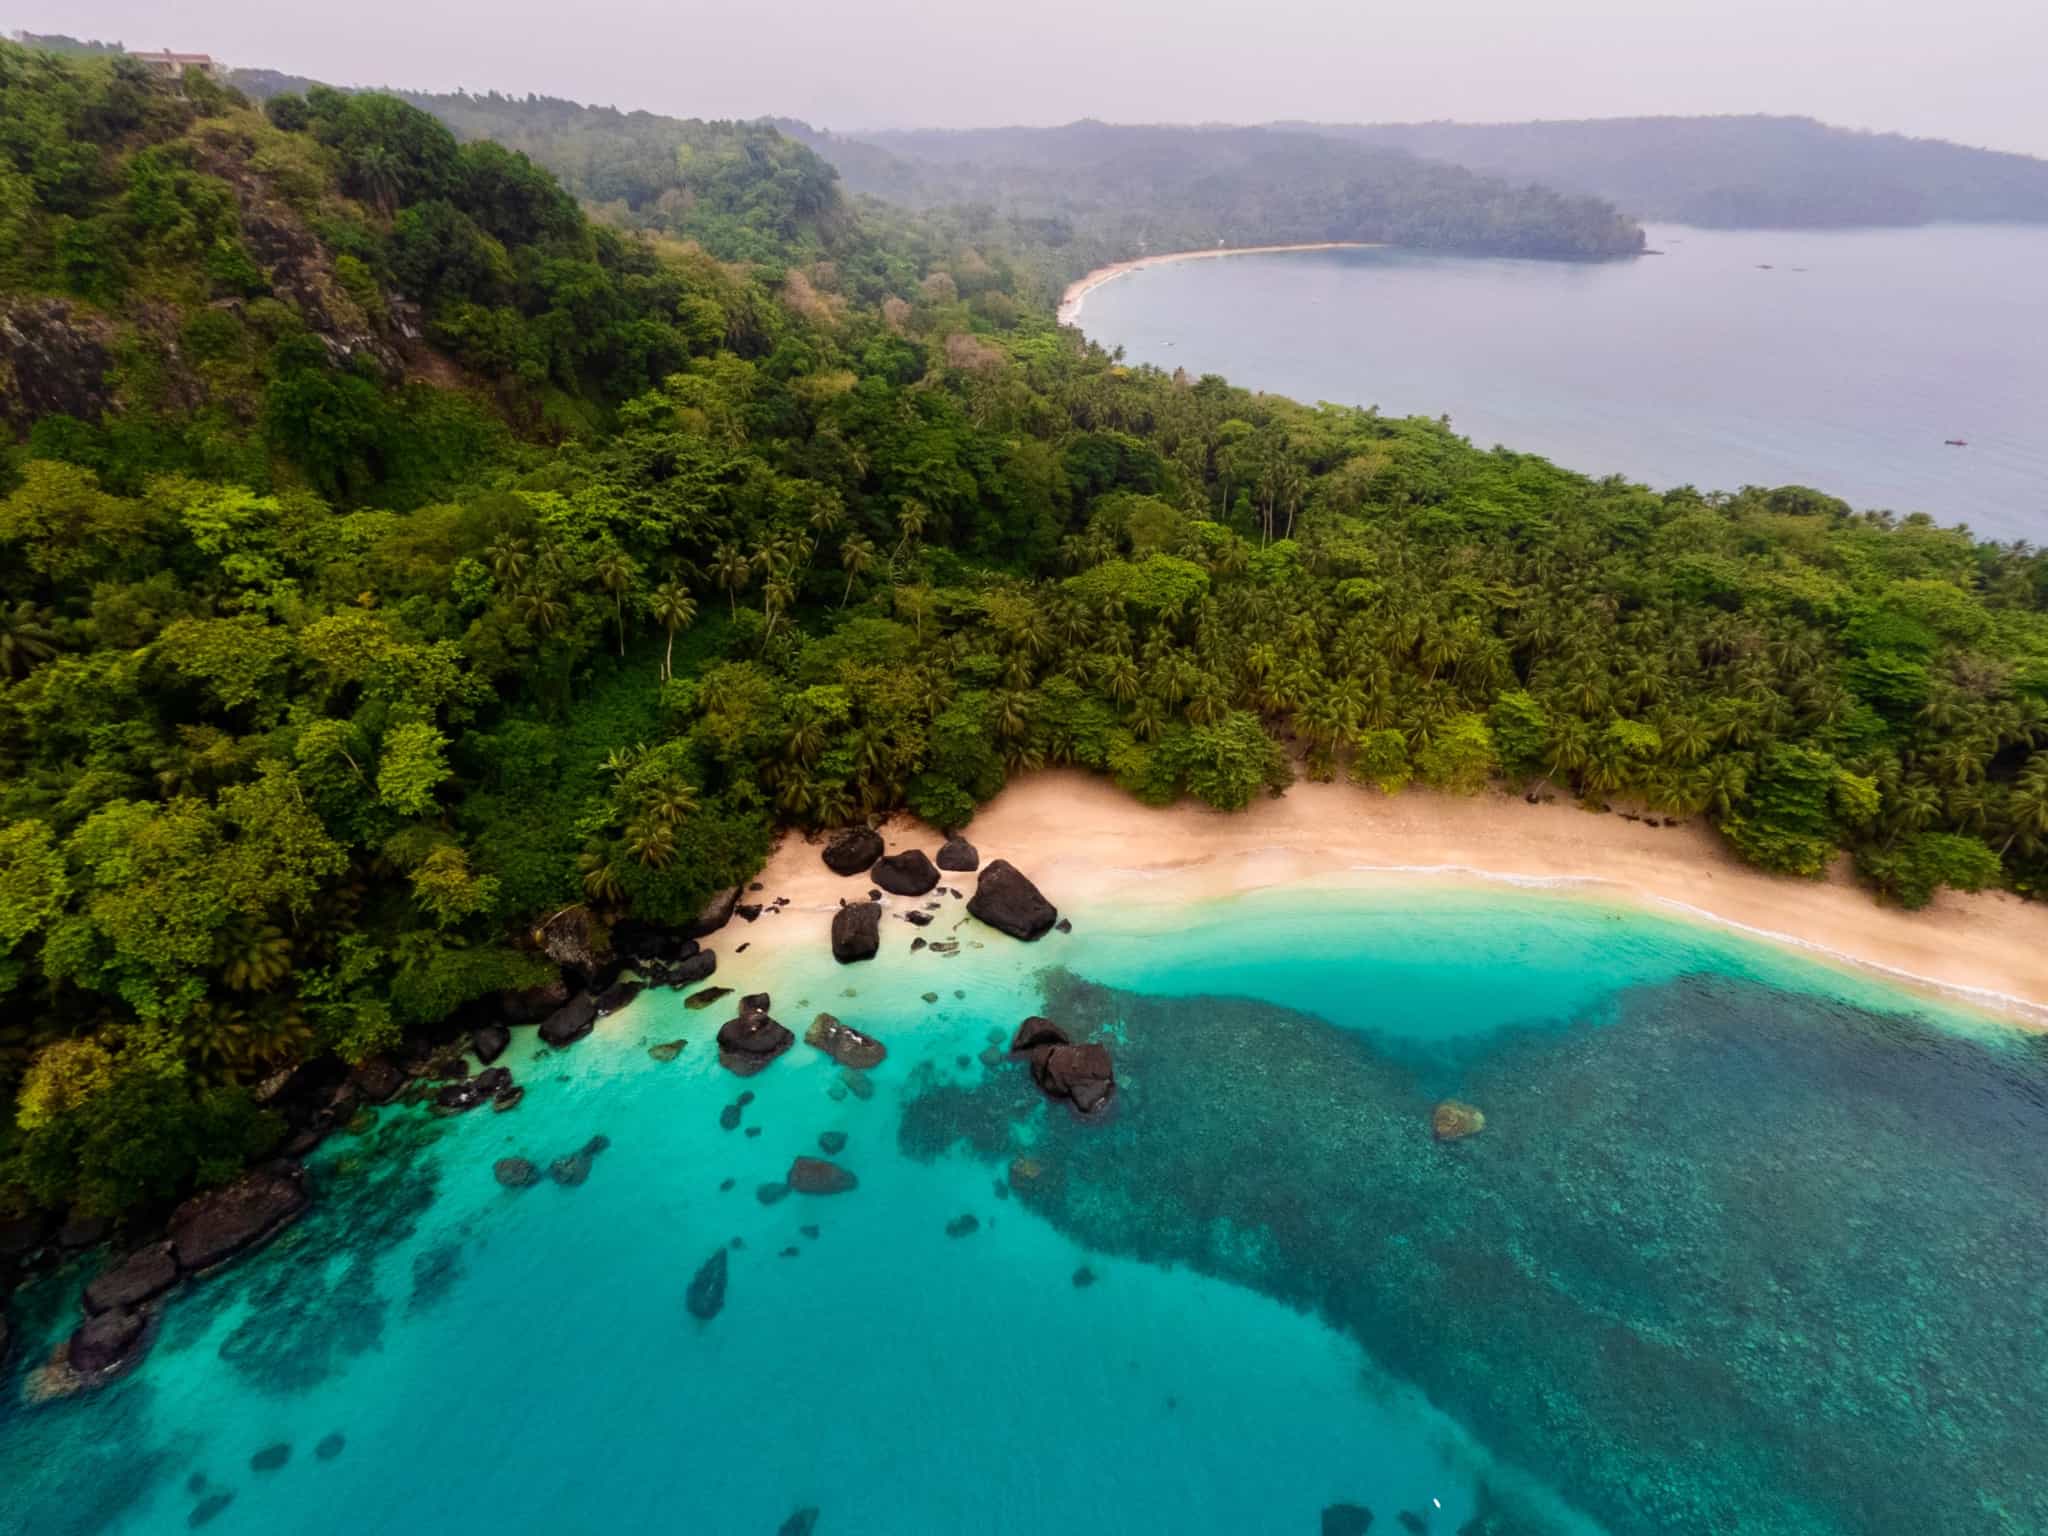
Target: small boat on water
<point x="1955" y="442"/>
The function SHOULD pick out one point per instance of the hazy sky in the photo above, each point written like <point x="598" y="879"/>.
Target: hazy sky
<point x="1973" y="70"/>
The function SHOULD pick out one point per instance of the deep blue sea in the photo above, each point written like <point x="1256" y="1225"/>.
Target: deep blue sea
<point x="1837" y="359"/>
<point x="1749" y="1244"/>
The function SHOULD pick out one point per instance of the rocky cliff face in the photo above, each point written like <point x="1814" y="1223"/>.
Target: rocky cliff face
<point x="58" y="355"/>
<point x="54" y="358"/>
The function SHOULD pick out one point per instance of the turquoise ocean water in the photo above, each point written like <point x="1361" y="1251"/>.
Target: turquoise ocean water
<point x="1841" y="359"/>
<point x="1748" y="1244"/>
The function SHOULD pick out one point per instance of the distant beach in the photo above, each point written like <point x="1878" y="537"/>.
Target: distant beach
<point x="1082" y="839"/>
<point x="1078" y="291"/>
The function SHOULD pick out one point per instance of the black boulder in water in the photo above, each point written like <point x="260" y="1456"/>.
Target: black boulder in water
<point x="1346" y="1520"/>
<point x="843" y="1043"/>
<point x="570" y="1022"/>
<point x="856" y="932"/>
<point x="751" y="1040"/>
<point x="1004" y="899"/>
<point x="706" y="1295"/>
<point x="802" y="1523"/>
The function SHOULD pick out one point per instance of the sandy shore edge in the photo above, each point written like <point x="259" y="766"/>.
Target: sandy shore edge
<point x="1086" y="843"/>
<point x="1078" y="290"/>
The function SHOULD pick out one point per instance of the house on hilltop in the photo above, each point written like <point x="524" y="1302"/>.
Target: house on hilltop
<point x="172" y="66"/>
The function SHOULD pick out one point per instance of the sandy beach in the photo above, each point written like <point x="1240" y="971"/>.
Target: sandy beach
<point x="1084" y="841"/>
<point x="1078" y="291"/>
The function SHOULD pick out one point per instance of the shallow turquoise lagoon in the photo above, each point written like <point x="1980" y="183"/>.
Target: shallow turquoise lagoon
<point x="1743" y="1247"/>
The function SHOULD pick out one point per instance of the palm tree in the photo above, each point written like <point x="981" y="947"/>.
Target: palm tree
<point x="911" y="519"/>
<point x="600" y="877"/>
<point x="729" y="568"/>
<point x="2027" y="806"/>
<point x="542" y="608"/>
<point x="857" y="558"/>
<point x="673" y="800"/>
<point x="615" y="572"/>
<point x="652" y="841"/>
<point x="26" y="639"/>
<point x="1917" y="805"/>
<point x="509" y="559"/>
<point x="673" y="608"/>
<point x="380" y="175"/>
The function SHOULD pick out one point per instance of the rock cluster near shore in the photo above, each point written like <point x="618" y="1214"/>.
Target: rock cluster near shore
<point x="206" y="1232"/>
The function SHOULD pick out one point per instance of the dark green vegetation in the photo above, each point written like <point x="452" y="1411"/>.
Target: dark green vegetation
<point x="1093" y="192"/>
<point x="1726" y="1260"/>
<point x="1058" y="201"/>
<point x="1737" y="172"/>
<point x="391" y="557"/>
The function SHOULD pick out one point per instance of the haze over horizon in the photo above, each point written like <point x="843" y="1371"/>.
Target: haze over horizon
<point x="1968" y="71"/>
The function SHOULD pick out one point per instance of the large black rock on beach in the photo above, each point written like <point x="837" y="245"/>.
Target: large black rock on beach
<point x="1005" y="899"/>
<point x="909" y="873"/>
<point x="853" y="850"/>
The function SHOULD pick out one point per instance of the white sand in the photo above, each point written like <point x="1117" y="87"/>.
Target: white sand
<point x="1078" y="291"/>
<point x="1082" y="839"/>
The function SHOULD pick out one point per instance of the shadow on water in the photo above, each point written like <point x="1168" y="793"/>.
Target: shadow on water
<point x="1736" y="1259"/>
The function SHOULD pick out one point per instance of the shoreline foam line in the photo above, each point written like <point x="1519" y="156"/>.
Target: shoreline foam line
<point x="1077" y="291"/>
<point x="2024" y="1013"/>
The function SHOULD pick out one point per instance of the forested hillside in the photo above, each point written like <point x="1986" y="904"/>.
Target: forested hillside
<point x="1107" y="189"/>
<point x="1057" y="202"/>
<point x="1737" y="171"/>
<point x="391" y="558"/>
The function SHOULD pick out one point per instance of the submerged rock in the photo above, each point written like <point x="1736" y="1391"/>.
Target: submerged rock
<point x="208" y="1509"/>
<point x="729" y="1118"/>
<point x="1346" y="1520"/>
<point x="144" y="1275"/>
<point x="573" y="1169"/>
<point x="1081" y="1074"/>
<point x="815" y="1176"/>
<point x="707" y="997"/>
<point x="832" y="1143"/>
<point x="1083" y="1278"/>
<point x="570" y="1022"/>
<point x="515" y="1172"/>
<point x="668" y="1050"/>
<point x="1453" y="1119"/>
<point x="212" y="1228"/>
<point x="964" y="1225"/>
<point x="856" y="932"/>
<point x="706" y="1295"/>
<point x="749" y="1041"/>
<point x="772" y="1194"/>
<point x="909" y="873"/>
<point x="852" y="851"/>
<point x="1006" y="900"/>
<point x="271" y="1457"/>
<point x="843" y="1043"/>
<point x="505" y="1098"/>
<point x="330" y="1446"/>
<point x="802" y="1523"/>
<point x="959" y="855"/>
